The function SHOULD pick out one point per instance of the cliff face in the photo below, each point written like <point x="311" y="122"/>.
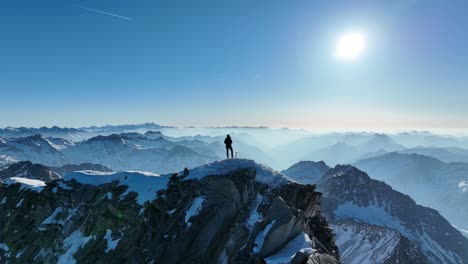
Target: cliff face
<point x="228" y="218"/>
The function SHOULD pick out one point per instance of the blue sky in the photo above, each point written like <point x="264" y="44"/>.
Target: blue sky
<point x="207" y="63"/>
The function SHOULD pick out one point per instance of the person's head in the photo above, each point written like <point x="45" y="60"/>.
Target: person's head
<point x="228" y="135"/>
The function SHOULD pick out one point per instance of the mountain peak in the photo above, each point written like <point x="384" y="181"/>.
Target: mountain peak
<point x="346" y="171"/>
<point x="152" y="133"/>
<point x="264" y="174"/>
<point x="117" y="138"/>
<point x="308" y="172"/>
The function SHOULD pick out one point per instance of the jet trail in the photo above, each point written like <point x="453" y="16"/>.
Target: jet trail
<point x="102" y="12"/>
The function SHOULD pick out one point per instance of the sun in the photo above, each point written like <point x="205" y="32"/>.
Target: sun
<point x="350" y="46"/>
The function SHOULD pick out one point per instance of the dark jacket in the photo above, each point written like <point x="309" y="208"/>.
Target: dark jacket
<point x="228" y="141"/>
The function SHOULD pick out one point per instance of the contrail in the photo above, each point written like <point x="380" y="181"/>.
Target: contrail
<point x="102" y="12"/>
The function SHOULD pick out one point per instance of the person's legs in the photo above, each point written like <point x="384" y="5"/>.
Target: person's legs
<point x="232" y="152"/>
<point x="227" y="152"/>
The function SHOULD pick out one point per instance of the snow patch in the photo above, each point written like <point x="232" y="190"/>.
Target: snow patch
<point x="254" y="216"/>
<point x="30" y="184"/>
<point x="194" y="209"/>
<point x="301" y="243"/>
<point x="72" y="244"/>
<point x="4" y="247"/>
<point x="19" y="203"/>
<point x="52" y="218"/>
<point x="109" y="196"/>
<point x="463" y="186"/>
<point x="111" y="244"/>
<point x="261" y="237"/>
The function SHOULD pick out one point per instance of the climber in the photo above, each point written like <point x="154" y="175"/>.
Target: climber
<point x="228" y="143"/>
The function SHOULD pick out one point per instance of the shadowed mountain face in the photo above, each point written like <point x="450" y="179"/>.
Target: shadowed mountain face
<point x="80" y="167"/>
<point x="248" y="215"/>
<point x="26" y="169"/>
<point x="376" y="224"/>
<point x="429" y="181"/>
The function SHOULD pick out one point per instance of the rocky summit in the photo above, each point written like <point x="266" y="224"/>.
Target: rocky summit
<point x="234" y="211"/>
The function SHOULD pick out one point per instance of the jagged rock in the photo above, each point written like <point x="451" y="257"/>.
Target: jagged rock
<point x="228" y="218"/>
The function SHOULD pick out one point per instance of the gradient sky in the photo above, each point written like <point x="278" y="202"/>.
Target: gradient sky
<point x="208" y="63"/>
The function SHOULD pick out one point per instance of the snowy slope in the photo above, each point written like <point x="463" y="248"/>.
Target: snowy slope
<point x="362" y="243"/>
<point x="264" y="175"/>
<point x="30" y="184"/>
<point x="143" y="183"/>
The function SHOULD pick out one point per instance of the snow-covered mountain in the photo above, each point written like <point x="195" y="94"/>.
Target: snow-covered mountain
<point x="26" y="169"/>
<point x="307" y="172"/>
<point x="362" y="243"/>
<point x="33" y="148"/>
<point x="136" y="152"/>
<point x="350" y="194"/>
<point x="126" y="151"/>
<point x="376" y="224"/>
<point x="427" y="180"/>
<point x="233" y="211"/>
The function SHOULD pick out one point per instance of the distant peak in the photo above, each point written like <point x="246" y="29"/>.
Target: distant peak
<point x="346" y="172"/>
<point x="112" y="137"/>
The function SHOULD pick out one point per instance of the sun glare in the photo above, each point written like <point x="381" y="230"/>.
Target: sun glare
<point x="350" y="46"/>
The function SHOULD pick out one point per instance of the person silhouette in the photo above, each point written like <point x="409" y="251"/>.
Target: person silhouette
<point x="228" y="143"/>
